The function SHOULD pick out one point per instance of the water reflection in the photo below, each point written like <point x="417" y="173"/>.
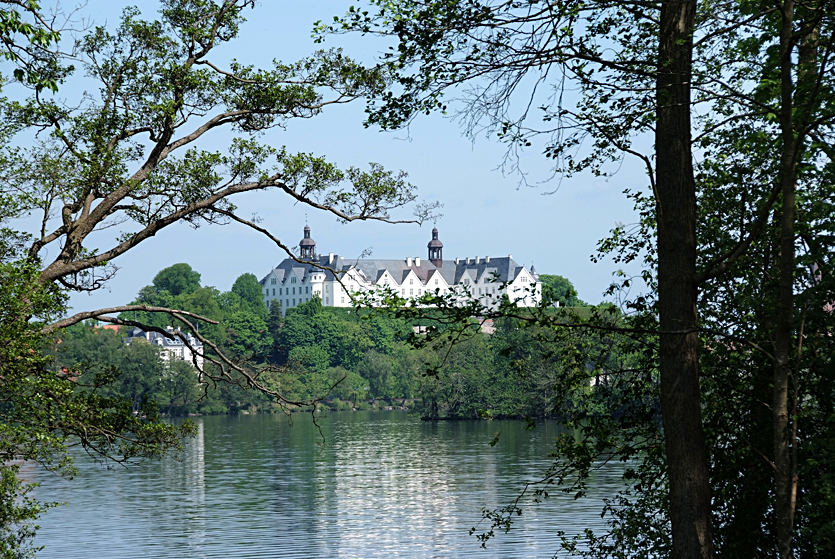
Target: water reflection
<point x="382" y="485"/>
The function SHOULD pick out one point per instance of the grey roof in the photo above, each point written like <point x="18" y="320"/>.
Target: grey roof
<point x="283" y="269"/>
<point x="505" y="269"/>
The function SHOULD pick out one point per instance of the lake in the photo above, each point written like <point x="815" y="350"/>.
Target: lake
<point x="381" y="484"/>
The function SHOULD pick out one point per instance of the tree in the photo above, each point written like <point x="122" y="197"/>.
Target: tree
<point x="157" y="78"/>
<point x="249" y="290"/>
<point x="141" y="374"/>
<point x="176" y="280"/>
<point x="128" y="154"/>
<point x="247" y="334"/>
<point x="557" y="289"/>
<point x="644" y="69"/>
<point x="44" y="410"/>
<point x="444" y="44"/>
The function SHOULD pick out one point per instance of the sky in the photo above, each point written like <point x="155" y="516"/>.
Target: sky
<point x="485" y="211"/>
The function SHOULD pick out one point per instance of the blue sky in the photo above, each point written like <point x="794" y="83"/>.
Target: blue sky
<point x="485" y="211"/>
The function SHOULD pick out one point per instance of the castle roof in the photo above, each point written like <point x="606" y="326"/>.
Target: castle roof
<point x="503" y="269"/>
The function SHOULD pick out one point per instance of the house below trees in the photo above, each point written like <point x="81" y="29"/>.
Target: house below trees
<point x="173" y="349"/>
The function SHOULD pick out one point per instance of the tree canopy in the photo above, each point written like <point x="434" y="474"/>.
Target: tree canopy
<point x="560" y="291"/>
<point x="735" y="101"/>
<point x="177" y="279"/>
<point x="105" y="166"/>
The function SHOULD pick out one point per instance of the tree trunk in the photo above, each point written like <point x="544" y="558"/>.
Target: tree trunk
<point x="785" y="476"/>
<point x="692" y="530"/>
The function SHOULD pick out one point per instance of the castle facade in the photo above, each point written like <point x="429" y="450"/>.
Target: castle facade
<point x="335" y="278"/>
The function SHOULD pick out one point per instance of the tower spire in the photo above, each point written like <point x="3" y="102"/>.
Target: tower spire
<point x="436" y="249"/>
<point x="307" y="246"/>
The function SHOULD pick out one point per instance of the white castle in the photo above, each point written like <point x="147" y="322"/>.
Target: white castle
<point x="487" y="279"/>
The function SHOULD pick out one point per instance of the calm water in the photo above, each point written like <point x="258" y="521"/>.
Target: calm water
<point x="381" y="485"/>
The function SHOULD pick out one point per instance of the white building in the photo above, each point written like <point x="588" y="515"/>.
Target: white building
<point x="172" y="349"/>
<point x="488" y="278"/>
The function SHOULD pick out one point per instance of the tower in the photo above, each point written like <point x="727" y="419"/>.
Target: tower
<point x="307" y="246"/>
<point x="436" y="249"/>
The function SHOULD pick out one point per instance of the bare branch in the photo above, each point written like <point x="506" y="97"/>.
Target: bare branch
<point x="76" y="318"/>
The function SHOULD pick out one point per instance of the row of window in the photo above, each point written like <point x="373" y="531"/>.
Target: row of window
<point x="267" y="291"/>
<point x="486" y="290"/>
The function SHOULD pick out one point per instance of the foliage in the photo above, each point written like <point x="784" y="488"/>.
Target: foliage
<point x="45" y="409"/>
<point x="738" y="251"/>
<point x="176" y="280"/>
<point x="18" y="514"/>
<point x="352" y="355"/>
<point x="559" y="291"/>
<point x="25" y="42"/>
<point x="249" y="290"/>
<point x="121" y="157"/>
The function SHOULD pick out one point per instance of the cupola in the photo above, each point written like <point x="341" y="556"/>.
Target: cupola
<point x="436" y="249"/>
<point x="307" y="246"/>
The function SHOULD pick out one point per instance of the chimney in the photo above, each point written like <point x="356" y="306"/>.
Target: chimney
<point x="487" y="259"/>
<point x="510" y="256"/>
<point x="417" y="262"/>
<point x="409" y="261"/>
<point x="468" y="260"/>
<point x="478" y="259"/>
<point x="457" y="261"/>
<point x="330" y="258"/>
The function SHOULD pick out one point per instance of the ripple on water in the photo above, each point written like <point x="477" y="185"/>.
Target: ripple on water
<point x="381" y="485"/>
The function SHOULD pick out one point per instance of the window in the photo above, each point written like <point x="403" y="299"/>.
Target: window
<point x="293" y="279"/>
<point x="436" y="282"/>
<point x="294" y="291"/>
<point x="287" y="302"/>
<point x="411" y="281"/>
<point x="273" y="291"/>
<point x="479" y="291"/>
<point x="307" y="290"/>
<point x="403" y="292"/>
<point x="327" y="300"/>
<point x="343" y="299"/>
<point x="294" y="302"/>
<point x="411" y="292"/>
